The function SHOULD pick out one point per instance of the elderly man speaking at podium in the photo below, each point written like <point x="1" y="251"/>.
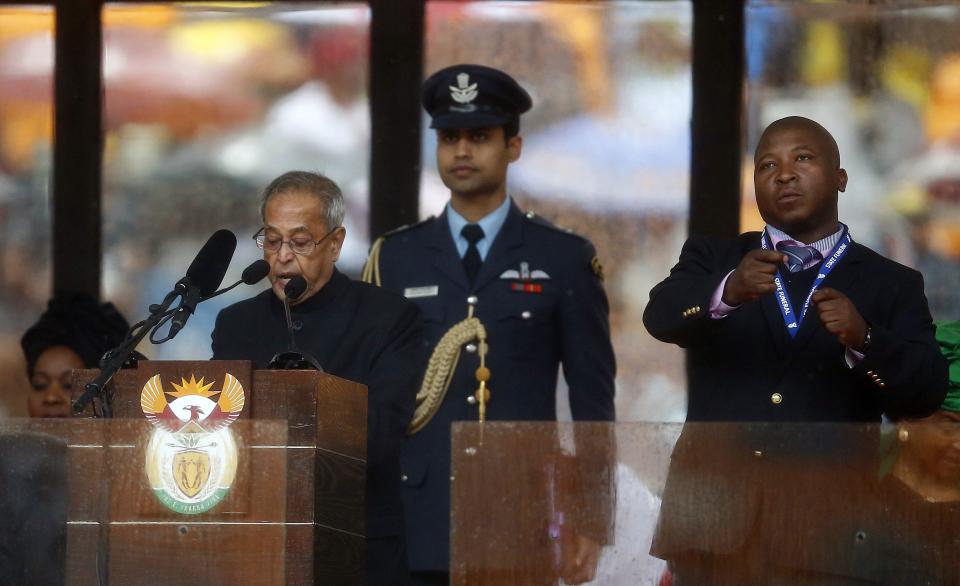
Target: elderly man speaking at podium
<point x="353" y="330"/>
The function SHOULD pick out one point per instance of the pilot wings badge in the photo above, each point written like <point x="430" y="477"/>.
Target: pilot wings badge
<point x="465" y="92"/>
<point x="191" y="458"/>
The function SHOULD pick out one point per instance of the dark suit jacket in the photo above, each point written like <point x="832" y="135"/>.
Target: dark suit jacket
<point x="748" y="487"/>
<point x="737" y="363"/>
<point x="33" y="506"/>
<point x="530" y="335"/>
<point x="357" y="332"/>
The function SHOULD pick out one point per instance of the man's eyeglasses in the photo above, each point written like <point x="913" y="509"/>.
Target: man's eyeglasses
<point x="303" y="246"/>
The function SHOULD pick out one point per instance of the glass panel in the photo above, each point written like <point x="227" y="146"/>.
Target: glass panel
<point x="90" y="501"/>
<point x="205" y="104"/>
<point x="724" y="503"/>
<point x="26" y="130"/>
<point x="605" y="152"/>
<point x="884" y="78"/>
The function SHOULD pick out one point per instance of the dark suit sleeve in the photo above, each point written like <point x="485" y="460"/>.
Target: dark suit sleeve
<point x="393" y="381"/>
<point x="688" y="288"/>
<point x="904" y="355"/>
<point x="589" y="367"/>
<point x="587" y="354"/>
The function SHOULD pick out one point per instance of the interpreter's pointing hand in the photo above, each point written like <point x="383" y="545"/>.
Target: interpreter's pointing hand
<point x="753" y="277"/>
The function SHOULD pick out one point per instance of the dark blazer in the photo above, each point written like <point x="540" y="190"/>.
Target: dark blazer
<point x="530" y="335"/>
<point x="787" y="491"/>
<point x="357" y="332"/>
<point x="737" y="363"/>
<point x="33" y="505"/>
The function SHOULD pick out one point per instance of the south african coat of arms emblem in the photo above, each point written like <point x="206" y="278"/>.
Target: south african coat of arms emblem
<point x="191" y="458"/>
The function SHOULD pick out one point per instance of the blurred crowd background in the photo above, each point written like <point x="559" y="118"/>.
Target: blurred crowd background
<point x="205" y="103"/>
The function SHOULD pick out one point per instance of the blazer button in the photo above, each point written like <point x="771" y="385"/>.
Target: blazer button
<point x="471" y="348"/>
<point x="471" y="400"/>
<point x="404" y="478"/>
<point x="526" y="315"/>
<point x="472" y="300"/>
<point x="776" y="398"/>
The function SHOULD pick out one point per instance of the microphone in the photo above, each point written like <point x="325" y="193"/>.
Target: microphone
<point x="252" y="275"/>
<point x="295" y="288"/>
<point x="291" y="292"/>
<point x="293" y="358"/>
<point x="202" y="279"/>
<point x="211" y="263"/>
<point x="204" y="276"/>
<point x="255" y="273"/>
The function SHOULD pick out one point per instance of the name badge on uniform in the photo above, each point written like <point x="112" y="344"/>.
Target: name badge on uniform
<point x="427" y="291"/>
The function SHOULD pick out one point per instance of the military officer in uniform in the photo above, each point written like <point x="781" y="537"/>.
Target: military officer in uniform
<point x="506" y="298"/>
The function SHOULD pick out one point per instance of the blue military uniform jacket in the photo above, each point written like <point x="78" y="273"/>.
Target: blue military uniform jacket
<point x="540" y="297"/>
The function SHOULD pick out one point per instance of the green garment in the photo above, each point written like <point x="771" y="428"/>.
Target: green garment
<point x="948" y="336"/>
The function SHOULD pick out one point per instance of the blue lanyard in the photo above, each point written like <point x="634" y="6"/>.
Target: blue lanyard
<point x="783" y="300"/>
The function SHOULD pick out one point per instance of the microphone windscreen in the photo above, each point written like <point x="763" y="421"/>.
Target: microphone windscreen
<point x="254" y="273"/>
<point x="211" y="263"/>
<point x="295" y="288"/>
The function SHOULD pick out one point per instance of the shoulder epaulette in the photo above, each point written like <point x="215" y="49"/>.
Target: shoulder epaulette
<point x="371" y="269"/>
<point x="535" y="218"/>
<point x="595" y="265"/>
<point x="406" y="227"/>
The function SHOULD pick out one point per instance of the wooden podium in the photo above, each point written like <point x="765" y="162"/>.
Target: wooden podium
<point x="295" y="513"/>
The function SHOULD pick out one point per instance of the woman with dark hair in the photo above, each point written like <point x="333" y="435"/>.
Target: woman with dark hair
<point x="929" y="451"/>
<point x="920" y="485"/>
<point x="74" y="332"/>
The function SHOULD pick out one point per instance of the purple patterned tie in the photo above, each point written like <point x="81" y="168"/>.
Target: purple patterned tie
<point x="799" y="257"/>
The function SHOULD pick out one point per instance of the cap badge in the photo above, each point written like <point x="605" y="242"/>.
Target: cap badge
<point x="466" y="92"/>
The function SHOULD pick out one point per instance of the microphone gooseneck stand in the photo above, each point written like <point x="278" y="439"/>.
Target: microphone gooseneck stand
<point x="113" y="360"/>
<point x="293" y="358"/>
<point x="190" y="295"/>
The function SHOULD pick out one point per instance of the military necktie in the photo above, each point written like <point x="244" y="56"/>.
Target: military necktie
<point x="799" y="257"/>
<point x="471" y="260"/>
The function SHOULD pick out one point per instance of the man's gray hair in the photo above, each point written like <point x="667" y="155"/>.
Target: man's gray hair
<point x="320" y="186"/>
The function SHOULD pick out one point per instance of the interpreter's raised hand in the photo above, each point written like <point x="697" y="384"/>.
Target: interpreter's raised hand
<point x="840" y="317"/>
<point x="753" y="277"/>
